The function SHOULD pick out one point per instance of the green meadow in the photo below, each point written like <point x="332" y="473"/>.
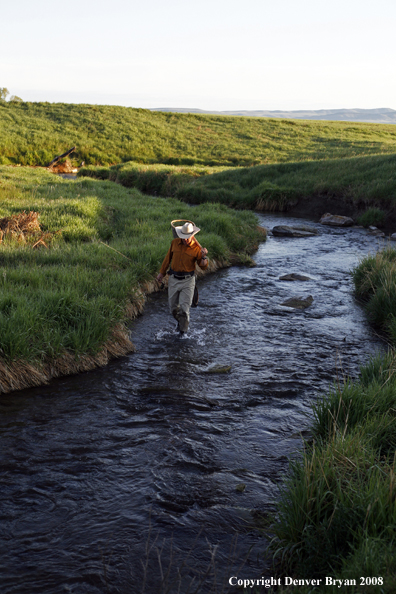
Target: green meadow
<point x="69" y="297"/>
<point x="33" y="133"/>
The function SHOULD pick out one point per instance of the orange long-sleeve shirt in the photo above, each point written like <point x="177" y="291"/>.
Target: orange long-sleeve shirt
<point x="182" y="257"/>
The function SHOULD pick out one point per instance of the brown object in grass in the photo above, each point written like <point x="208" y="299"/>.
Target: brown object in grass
<point x="65" y="167"/>
<point x="20" y="225"/>
<point x="24" y="226"/>
<point x="41" y="241"/>
<point x="66" y="154"/>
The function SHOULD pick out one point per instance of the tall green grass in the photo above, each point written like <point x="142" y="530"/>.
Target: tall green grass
<point x="337" y="510"/>
<point x="366" y="180"/>
<point x="372" y="216"/>
<point x="33" y="133"/>
<point x="375" y="282"/>
<point x="69" y="297"/>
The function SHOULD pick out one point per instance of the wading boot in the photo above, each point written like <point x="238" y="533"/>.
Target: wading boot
<point x="179" y="330"/>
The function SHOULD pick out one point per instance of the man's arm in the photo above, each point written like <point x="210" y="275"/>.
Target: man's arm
<point x="165" y="265"/>
<point x="203" y="263"/>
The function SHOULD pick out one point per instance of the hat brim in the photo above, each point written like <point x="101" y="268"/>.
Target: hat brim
<point x="186" y="235"/>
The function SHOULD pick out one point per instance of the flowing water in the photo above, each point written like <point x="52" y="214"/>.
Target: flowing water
<point x="150" y="475"/>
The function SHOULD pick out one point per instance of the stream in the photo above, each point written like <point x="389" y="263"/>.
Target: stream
<point x="151" y="474"/>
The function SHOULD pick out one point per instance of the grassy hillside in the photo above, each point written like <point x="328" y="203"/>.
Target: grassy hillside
<point x="33" y="133"/>
<point x="64" y="302"/>
<point x="365" y="180"/>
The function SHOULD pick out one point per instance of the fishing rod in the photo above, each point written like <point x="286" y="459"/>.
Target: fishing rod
<point x="114" y="250"/>
<point x="204" y="251"/>
<point x="175" y="221"/>
<point x="124" y="256"/>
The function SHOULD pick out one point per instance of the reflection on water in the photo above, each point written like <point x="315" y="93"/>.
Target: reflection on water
<point x="125" y="479"/>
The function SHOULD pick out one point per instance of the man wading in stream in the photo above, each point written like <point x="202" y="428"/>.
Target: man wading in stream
<point x="183" y="253"/>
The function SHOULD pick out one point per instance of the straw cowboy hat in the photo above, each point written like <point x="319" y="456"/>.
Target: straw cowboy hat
<point x="187" y="230"/>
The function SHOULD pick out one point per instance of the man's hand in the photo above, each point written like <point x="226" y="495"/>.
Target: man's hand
<point x="204" y="251"/>
<point x="160" y="277"/>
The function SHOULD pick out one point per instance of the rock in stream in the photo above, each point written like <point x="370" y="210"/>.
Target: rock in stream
<point x="298" y="302"/>
<point x="294" y="277"/>
<point x="286" y="231"/>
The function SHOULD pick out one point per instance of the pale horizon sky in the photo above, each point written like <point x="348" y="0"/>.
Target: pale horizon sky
<point x="212" y="55"/>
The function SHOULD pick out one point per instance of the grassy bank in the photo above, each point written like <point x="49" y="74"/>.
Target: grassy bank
<point x="72" y="300"/>
<point x="155" y="179"/>
<point x="33" y="133"/>
<point x="375" y="282"/>
<point x="337" y="511"/>
<point x="360" y="181"/>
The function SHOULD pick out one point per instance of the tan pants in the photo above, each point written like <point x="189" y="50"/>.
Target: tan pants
<point x="180" y="296"/>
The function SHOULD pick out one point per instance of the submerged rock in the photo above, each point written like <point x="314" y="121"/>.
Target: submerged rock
<point x="375" y="231"/>
<point x="298" y="302"/>
<point x="240" y="488"/>
<point x="219" y="369"/>
<point x="286" y="231"/>
<point x="294" y="277"/>
<point x="336" y="220"/>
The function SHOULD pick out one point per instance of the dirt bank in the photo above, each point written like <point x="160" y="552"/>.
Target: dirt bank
<point x="315" y="206"/>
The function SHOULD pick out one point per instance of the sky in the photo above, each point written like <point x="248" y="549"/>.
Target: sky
<point x="212" y="54"/>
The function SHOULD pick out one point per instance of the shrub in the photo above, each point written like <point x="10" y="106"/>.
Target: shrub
<point x="372" y="216"/>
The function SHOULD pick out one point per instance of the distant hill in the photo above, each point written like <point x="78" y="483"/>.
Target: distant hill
<point x="376" y="116"/>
